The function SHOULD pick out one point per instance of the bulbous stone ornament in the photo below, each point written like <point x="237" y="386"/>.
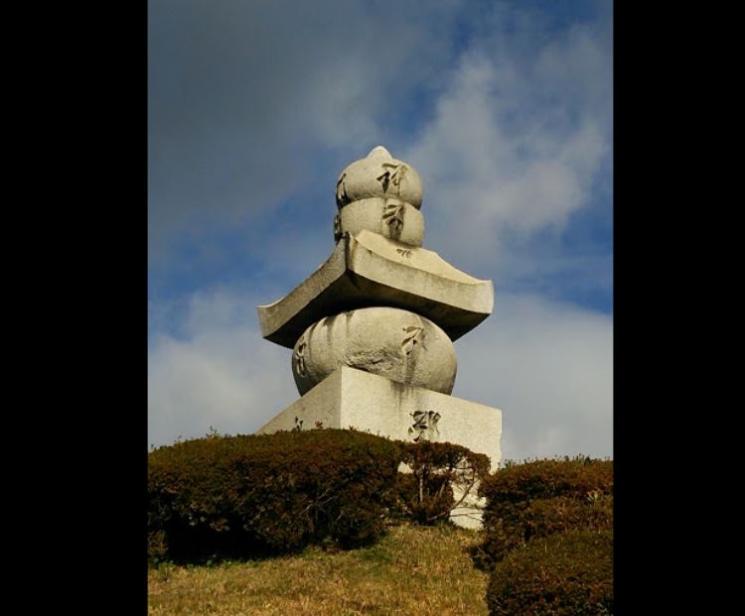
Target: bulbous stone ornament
<point x="397" y="344"/>
<point x="391" y="218"/>
<point x="379" y="175"/>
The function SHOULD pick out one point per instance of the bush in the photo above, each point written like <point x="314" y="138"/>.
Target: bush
<point x="555" y="515"/>
<point x="425" y="495"/>
<point x="519" y="484"/>
<point x="540" y="498"/>
<point x="249" y="495"/>
<point x="566" y="574"/>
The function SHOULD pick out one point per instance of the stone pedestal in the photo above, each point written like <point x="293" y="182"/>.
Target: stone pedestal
<point x="351" y="398"/>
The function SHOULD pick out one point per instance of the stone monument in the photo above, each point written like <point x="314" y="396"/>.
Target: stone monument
<point x="372" y="329"/>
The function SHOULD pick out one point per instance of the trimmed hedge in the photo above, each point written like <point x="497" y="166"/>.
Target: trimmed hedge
<point x="566" y="574"/>
<point x="243" y="496"/>
<point x="518" y="484"/>
<point x="540" y="498"/>
<point x="426" y="494"/>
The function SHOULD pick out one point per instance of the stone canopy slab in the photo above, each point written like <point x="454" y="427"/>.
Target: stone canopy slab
<point x="367" y="269"/>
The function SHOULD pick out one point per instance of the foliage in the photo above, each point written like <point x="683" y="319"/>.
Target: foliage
<point x="540" y="498"/>
<point x="519" y="484"/>
<point x="541" y="518"/>
<point x="565" y="574"/>
<point x="442" y="476"/>
<point x="247" y="495"/>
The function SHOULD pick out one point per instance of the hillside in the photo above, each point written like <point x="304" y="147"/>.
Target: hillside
<point x="412" y="570"/>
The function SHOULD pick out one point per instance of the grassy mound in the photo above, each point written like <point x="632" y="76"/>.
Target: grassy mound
<point x="422" y="570"/>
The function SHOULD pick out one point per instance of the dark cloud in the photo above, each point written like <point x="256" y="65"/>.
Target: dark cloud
<point x="505" y="110"/>
<point x="245" y="97"/>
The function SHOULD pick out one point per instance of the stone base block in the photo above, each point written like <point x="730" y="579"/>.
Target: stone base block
<point x="351" y="398"/>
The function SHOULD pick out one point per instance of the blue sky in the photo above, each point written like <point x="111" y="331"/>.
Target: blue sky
<point x="505" y="109"/>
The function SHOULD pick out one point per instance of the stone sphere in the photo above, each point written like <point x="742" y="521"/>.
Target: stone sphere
<point x="379" y="175"/>
<point x="397" y="344"/>
<point x="391" y="218"/>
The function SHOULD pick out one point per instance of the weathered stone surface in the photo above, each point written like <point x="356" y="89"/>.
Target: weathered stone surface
<point x="379" y="175"/>
<point x="368" y="269"/>
<point x="392" y="218"/>
<point x="355" y="399"/>
<point x="351" y="398"/>
<point x="372" y="328"/>
<point x="394" y="343"/>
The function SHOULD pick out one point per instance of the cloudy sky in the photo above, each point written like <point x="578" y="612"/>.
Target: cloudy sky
<point x="505" y="110"/>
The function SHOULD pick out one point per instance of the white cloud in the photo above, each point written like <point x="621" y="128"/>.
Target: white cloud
<point x="218" y="372"/>
<point x="254" y="109"/>
<point x="244" y="97"/>
<point x="548" y="366"/>
<point x="517" y="140"/>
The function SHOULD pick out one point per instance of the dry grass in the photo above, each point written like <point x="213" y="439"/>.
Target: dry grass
<point x="413" y="570"/>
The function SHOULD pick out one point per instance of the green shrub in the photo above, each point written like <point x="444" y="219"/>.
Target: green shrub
<point x="248" y="495"/>
<point x="545" y="517"/>
<point x="541" y="518"/>
<point x="539" y="498"/>
<point x="425" y="495"/>
<point x="565" y="574"/>
<point x="519" y="484"/>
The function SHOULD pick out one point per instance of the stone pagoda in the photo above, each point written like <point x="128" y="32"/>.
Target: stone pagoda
<point x="372" y="329"/>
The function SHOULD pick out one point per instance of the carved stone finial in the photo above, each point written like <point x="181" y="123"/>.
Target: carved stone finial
<point x="379" y="175"/>
<point x="372" y="328"/>
<point x="379" y="152"/>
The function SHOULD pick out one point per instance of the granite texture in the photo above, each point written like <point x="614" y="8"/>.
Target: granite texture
<point x="397" y="344"/>
<point x="368" y="269"/>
